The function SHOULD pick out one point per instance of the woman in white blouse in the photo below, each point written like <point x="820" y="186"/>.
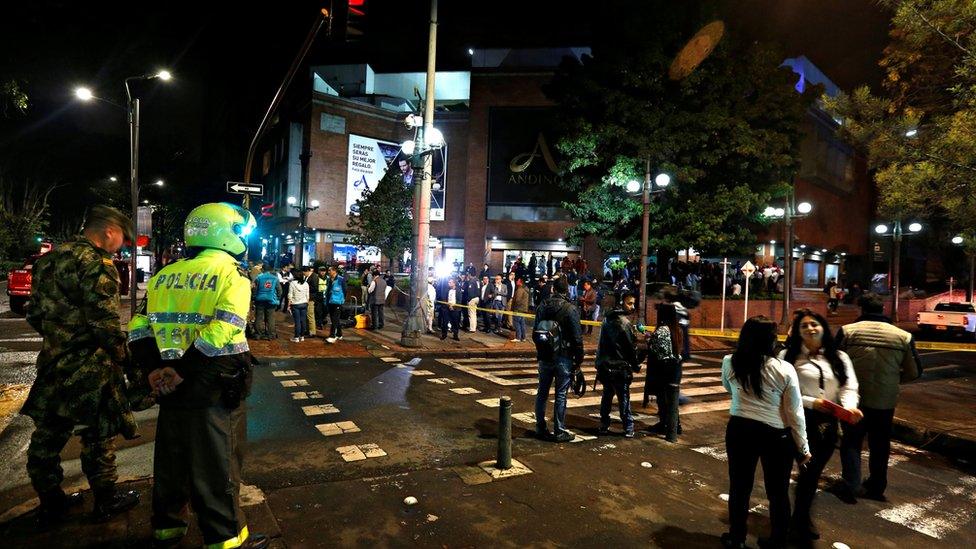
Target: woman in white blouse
<point x="826" y="376"/>
<point x="766" y="425"/>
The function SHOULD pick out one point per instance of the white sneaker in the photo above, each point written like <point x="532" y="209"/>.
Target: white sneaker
<point x="330" y="340"/>
<point x="295" y="339"/>
<point x="340" y="337"/>
<point x="301" y="339"/>
<point x="516" y="340"/>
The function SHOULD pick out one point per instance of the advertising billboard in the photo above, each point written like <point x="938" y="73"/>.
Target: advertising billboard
<point x="368" y="161"/>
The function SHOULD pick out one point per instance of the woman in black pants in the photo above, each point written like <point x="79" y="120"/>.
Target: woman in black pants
<point x="664" y="371"/>
<point x="766" y="425"/>
<point x="826" y="376"/>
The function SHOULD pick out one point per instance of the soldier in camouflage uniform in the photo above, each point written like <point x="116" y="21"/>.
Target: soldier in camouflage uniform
<point x="80" y="382"/>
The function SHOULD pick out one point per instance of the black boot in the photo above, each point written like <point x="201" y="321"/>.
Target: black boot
<point x="109" y="502"/>
<point x="255" y="541"/>
<point x="54" y="506"/>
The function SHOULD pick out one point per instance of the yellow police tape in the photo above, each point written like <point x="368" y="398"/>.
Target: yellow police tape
<point x="734" y="334"/>
<point x="512" y="313"/>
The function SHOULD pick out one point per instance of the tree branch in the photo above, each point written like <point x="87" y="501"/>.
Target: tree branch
<point x="939" y="31"/>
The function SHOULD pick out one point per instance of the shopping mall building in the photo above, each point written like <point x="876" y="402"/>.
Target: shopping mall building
<point x="496" y="193"/>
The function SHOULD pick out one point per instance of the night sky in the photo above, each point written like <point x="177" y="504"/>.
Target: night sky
<point x="228" y="59"/>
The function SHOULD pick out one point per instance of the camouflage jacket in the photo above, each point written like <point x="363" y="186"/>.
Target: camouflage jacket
<point x="74" y="305"/>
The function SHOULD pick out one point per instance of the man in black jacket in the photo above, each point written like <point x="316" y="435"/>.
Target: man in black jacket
<point x="566" y="358"/>
<point x="617" y="359"/>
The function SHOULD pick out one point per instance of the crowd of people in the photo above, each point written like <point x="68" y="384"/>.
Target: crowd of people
<point x="789" y="404"/>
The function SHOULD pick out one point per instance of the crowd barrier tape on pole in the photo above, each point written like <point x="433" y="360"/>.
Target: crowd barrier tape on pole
<point x="732" y="334"/>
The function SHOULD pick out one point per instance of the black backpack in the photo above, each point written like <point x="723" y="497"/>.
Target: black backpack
<point x="547" y="336"/>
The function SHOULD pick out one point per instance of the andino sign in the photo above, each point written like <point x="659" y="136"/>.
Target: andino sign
<point x="522" y="168"/>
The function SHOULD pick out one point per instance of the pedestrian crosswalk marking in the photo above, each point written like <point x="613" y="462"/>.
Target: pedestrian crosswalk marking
<point x="284" y="373"/>
<point x="294" y="383"/>
<point x="298" y="395"/>
<point x="465" y="390"/>
<point x="339" y="428"/>
<point x="440" y="380"/>
<point x="938" y="515"/>
<point x="389" y="359"/>
<point x="319" y="409"/>
<point x="421" y="373"/>
<point x="489" y="402"/>
<point x="360" y="452"/>
<point x="526" y="417"/>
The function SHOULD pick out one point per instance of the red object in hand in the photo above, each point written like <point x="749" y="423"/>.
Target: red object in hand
<point x="839" y="412"/>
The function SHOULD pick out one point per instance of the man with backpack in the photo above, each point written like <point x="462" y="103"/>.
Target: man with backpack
<point x="618" y="358"/>
<point x="558" y="339"/>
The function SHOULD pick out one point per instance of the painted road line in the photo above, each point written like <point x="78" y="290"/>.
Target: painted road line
<point x="333" y="429"/>
<point x="526" y="417"/>
<point x="298" y="395"/>
<point x="712" y="451"/>
<point x="351" y="453"/>
<point x="489" y="402"/>
<point x="690" y="391"/>
<point x="440" y="380"/>
<point x="616" y="416"/>
<point x="18" y="357"/>
<point x="372" y="450"/>
<point x="22" y="340"/>
<point x="319" y="409"/>
<point x="284" y="373"/>
<point x="465" y="390"/>
<point x="938" y="515"/>
<point x="421" y="373"/>
<point x="390" y="359"/>
<point x="294" y="383"/>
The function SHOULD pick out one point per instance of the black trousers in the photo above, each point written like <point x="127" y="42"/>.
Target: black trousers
<point x="197" y="460"/>
<point x="335" y="314"/>
<point x="376" y="313"/>
<point x="319" y="312"/>
<point x="822" y="435"/>
<point x="876" y="425"/>
<point x="748" y="442"/>
<point x="452" y="316"/>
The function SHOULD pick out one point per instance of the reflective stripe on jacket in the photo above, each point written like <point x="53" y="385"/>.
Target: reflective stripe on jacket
<point x="202" y="301"/>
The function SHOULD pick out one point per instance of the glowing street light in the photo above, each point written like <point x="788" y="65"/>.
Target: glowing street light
<point x="164" y="75"/>
<point x="633" y="186"/>
<point x="662" y="180"/>
<point x="881" y="228"/>
<point x="915" y="227"/>
<point x="159" y="183"/>
<point x="957" y="240"/>
<point x="83" y="93"/>
<point x="804" y="207"/>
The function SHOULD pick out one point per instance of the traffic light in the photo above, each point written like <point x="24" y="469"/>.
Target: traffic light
<point x="348" y="19"/>
<point x="266" y="210"/>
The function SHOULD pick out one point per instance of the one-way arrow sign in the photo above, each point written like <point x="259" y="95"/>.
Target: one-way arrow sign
<point x="254" y="189"/>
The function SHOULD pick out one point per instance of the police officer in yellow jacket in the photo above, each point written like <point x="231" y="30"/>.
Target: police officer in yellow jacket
<point x="191" y="342"/>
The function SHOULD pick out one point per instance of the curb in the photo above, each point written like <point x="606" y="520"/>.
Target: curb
<point x="933" y="440"/>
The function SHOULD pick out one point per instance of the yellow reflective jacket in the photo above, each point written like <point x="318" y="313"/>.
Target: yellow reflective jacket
<point x="202" y="301"/>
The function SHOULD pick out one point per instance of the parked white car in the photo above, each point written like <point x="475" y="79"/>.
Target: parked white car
<point x="949" y="317"/>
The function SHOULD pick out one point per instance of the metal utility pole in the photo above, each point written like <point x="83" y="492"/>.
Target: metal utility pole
<point x="133" y="192"/>
<point x="302" y="207"/>
<point x="972" y="271"/>
<point x="645" y="235"/>
<point x="414" y="326"/>
<point x="896" y="268"/>
<point x="788" y="260"/>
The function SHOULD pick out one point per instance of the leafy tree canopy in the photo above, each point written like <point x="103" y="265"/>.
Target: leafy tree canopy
<point x="920" y="132"/>
<point x="728" y="134"/>
<point x="383" y="219"/>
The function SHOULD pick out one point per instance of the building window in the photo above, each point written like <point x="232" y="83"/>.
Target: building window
<point x="266" y="163"/>
<point x="811" y="274"/>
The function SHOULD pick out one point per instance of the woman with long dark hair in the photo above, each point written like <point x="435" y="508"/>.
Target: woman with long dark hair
<point x="664" y="371"/>
<point x="826" y="376"/>
<point x="766" y="425"/>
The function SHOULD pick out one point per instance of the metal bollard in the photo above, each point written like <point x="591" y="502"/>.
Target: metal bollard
<point x="504" y="433"/>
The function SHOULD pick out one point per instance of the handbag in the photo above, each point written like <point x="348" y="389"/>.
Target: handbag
<point x="579" y="382"/>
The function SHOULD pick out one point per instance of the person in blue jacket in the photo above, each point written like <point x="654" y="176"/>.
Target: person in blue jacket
<point x="335" y="299"/>
<point x="267" y="298"/>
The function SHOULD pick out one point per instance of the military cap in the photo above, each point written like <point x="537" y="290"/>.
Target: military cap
<point x="107" y="214"/>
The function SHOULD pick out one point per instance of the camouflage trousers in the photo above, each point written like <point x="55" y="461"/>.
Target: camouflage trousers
<point x="44" y="455"/>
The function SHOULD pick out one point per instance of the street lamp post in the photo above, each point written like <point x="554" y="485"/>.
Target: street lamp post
<point x="303" y="210"/>
<point x="132" y="111"/>
<point x="647" y="188"/>
<point x="791" y="212"/>
<point x="414" y="325"/>
<point x="896" y="234"/>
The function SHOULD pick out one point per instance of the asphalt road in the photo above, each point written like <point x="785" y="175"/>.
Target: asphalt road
<point x="421" y="435"/>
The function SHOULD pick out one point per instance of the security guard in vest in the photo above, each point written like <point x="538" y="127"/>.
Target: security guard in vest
<point x="191" y="343"/>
